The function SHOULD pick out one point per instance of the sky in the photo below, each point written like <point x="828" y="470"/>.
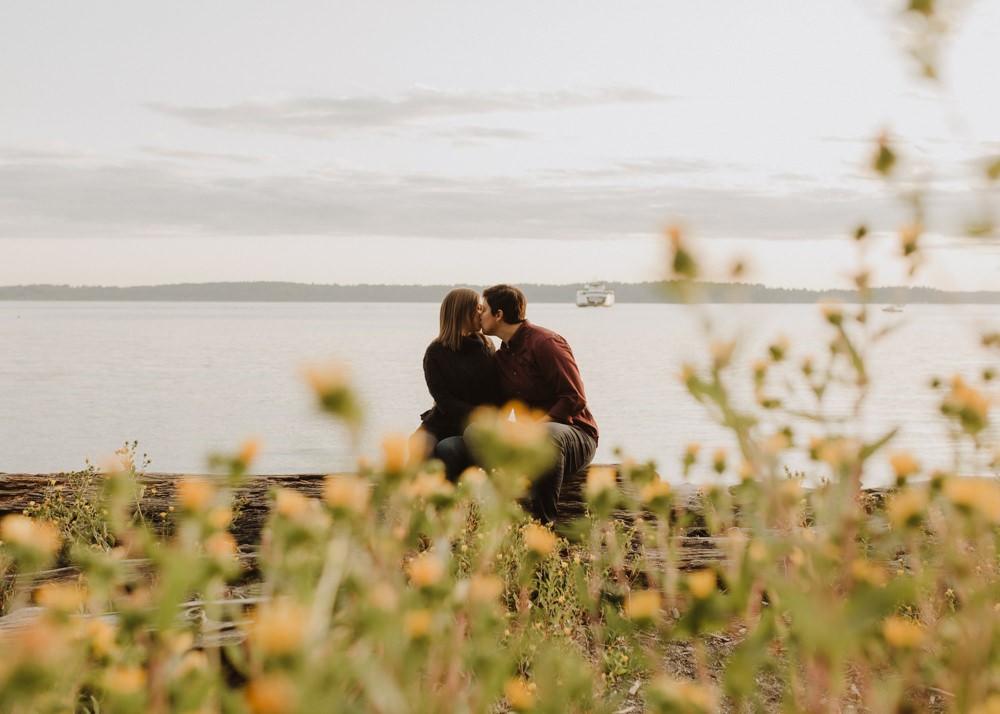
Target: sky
<point x="458" y="142"/>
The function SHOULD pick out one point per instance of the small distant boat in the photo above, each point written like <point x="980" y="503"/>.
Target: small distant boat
<point x="892" y="308"/>
<point x="595" y="295"/>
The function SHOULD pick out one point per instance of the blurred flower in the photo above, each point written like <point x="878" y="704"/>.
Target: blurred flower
<point x="908" y="237"/>
<point x="702" y="583"/>
<point x="417" y="623"/>
<point x="643" y="605"/>
<point x="901" y="632"/>
<point x="290" y="504"/>
<point x="346" y="493"/>
<point x="331" y="385"/>
<point x="395" y="450"/>
<point x="970" y="406"/>
<point x="722" y="352"/>
<point x="220" y="516"/>
<point x="975" y="494"/>
<point x="884" y="159"/>
<point x="29" y="533"/>
<point x="474" y="475"/>
<point x="864" y="571"/>
<point x="833" y="312"/>
<point x="248" y="452"/>
<point x="102" y="635"/>
<point x="790" y="492"/>
<point x="903" y="464"/>
<point x="426" y="485"/>
<point x="62" y="597"/>
<point x="906" y="507"/>
<point x="221" y="545"/>
<point x="779" y="348"/>
<point x="600" y="479"/>
<point x="719" y="460"/>
<point x="655" y="491"/>
<point x="195" y="494"/>
<point x="384" y="596"/>
<point x="539" y="539"/>
<point x="425" y="570"/>
<point x="125" y="680"/>
<point x="484" y="588"/>
<point x="519" y="694"/>
<point x="271" y="694"/>
<point x="279" y="627"/>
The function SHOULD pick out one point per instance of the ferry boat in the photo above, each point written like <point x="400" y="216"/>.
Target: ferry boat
<point x="595" y="295"/>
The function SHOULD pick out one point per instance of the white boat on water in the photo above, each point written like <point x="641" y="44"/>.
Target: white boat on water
<point x="595" y="295"/>
<point x="892" y="308"/>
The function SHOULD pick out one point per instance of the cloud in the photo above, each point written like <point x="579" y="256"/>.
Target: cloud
<point x="145" y="198"/>
<point x="198" y="156"/>
<point x="329" y="117"/>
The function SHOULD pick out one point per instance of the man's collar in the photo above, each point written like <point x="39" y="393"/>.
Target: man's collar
<point x="516" y="338"/>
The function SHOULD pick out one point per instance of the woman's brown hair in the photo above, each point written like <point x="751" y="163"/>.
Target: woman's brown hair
<point x="458" y="314"/>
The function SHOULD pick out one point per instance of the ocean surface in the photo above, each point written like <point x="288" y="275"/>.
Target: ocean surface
<point x="78" y="379"/>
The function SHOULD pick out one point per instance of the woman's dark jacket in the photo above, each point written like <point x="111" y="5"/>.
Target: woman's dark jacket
<point x="459" y="381"/>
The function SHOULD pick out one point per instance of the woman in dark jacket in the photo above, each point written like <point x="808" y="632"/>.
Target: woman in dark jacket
<point x="461" y="375"/>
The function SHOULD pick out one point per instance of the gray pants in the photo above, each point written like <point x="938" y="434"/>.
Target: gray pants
<point x="575" y="449"/>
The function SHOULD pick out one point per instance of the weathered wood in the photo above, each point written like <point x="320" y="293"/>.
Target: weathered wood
<point x="18" y="490"/>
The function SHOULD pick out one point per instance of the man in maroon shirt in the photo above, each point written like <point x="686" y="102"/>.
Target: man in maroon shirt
<point x="536" y="366"/>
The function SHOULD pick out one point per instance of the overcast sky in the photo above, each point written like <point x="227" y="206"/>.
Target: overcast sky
<point x="474" y="142"/>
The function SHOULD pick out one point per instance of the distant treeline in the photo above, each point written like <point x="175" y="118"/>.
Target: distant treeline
<point x="648" y="292"/>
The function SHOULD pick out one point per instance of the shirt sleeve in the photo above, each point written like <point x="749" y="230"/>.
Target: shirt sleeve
<point x="558" y="366"/>
<point x="440" y="385"/>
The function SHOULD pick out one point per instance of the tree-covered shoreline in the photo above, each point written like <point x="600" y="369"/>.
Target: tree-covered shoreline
<point x="645" y="292"/>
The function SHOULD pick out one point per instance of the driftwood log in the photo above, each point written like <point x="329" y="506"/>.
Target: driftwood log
<point x="17" y="491"/>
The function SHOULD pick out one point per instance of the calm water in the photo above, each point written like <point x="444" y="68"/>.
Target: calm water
<point x="79" y="379"/>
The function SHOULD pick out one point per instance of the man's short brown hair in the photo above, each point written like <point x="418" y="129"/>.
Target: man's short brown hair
<point x="506" y="298"/>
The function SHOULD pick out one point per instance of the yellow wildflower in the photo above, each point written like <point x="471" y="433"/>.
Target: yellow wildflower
<point x="539" y="539"/>
<point x="29" y="533"/>
<point x="975" y="494"/>
<point x="125" y="680"/>
<point x="417" y="623"/>
<point x="395" y="449"/>
<point x="248" y="452"/>
<point x="655" y="491"/>
<point x="426" y="570"/>
<point x="63" y="597"/>
<point x="346" y="493"/>
<point x="643" y="605"/>
<point x="903" y="464"/>
<point x="102" y="635"/>
<point x="429" y="484"/>
<point x="291" y="504"/>
<point x="599" y="480"/>
<point x="901" y="632"/>
<point x="279" y="627"/>
<point x="702" y="583"/>
<point x="195" y="494"/>
<point x="271" y="694"/>
<point x="519" y="693"/>
<point x="221" y="545"/>
<point x="220" y="516"/>
<point x="906" y="508"/>
<point x="484" y="588"/>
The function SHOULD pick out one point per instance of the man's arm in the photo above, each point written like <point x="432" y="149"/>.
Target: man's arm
<point x="558" y="367"/>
